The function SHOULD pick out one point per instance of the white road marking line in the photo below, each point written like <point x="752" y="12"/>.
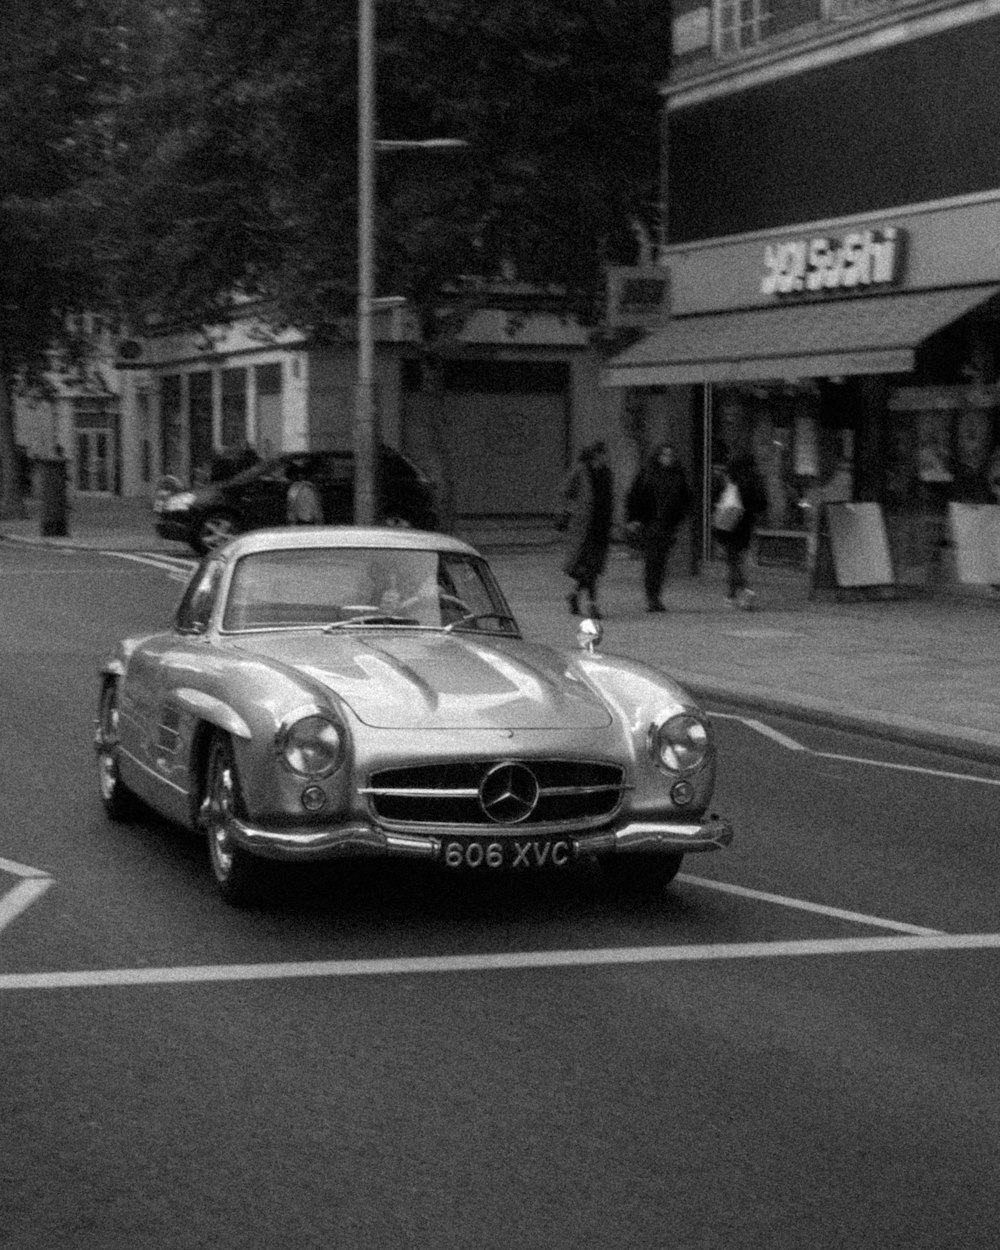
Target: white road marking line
<point x="511" y="962"/>
<point x="34" y="883"/>
<point x="780" y="738"/>
<point x="21" y="870"/>
<point x="800" y="904"/>
<point x="907" y="768"/>
<point x="791" y="744"/>
<point x="172" y="564"/>
<point x="15" y="901"/>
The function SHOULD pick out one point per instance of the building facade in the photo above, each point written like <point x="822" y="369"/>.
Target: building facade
<point x="831" y="192"/>
<point x="517" y="393"/>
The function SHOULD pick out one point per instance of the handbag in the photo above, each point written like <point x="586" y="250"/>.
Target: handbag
<point x="729" y="510"/>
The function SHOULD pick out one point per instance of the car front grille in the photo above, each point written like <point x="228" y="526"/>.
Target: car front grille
<point x="568" y="791"/>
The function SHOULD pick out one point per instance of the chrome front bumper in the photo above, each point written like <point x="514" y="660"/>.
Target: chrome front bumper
<point x="360" y="840"/>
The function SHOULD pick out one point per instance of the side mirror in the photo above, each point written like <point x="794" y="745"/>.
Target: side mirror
<point x="589" y="634"/>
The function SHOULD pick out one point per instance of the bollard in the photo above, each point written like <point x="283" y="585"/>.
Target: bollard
<point x="55" y="507"/>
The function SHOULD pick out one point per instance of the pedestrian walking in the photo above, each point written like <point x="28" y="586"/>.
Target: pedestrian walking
<point x="658" y="501"/>
<point x="588" y="498"/>
<point x="738" y="499"/>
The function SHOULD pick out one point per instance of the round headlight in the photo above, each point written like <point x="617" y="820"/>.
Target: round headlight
<point x="681" y="744"/>
<point x="312" y="746"/>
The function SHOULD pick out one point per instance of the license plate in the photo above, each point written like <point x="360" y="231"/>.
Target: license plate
<point x="516" y="854"/>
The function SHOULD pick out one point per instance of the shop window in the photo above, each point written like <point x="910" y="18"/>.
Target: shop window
<point x="234" y="407"/>
<point x="95" y="421"/>
<point x="945" y="446"/>
<point x="268" y="379"/>
<point x="740" y="24"/>
<point x="170" y="424"/>
<point x="269" y="415"/>
<point x="200" y="422"/>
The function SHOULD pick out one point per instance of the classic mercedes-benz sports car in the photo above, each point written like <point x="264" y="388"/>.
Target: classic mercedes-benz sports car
<point x="338" y="692"/>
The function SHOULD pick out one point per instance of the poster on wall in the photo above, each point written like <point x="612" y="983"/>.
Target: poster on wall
<point x="975" y="536"/>
<point x="934" y="446"/>
<point x="859" y="544"/>
<point x="806" y="447"/>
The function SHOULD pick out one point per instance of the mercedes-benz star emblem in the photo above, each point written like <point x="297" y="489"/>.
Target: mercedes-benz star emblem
<point x="508" y="793"/>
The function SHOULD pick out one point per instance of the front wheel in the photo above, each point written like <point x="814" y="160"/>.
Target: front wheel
<point x="641" y="875"/>
<point x="237" y="873"/>
<point x="120" y="803"/>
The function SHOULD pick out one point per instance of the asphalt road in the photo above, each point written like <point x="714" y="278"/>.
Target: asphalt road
<point x="795" y="1047"/>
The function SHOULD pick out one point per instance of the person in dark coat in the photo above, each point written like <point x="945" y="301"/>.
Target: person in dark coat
<point x="742" y="472"/>
<point x="658" y="501"/>
<point x="588" y="498"/>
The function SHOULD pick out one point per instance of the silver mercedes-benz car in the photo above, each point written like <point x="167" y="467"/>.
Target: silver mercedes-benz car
<point x="338" y="692"/>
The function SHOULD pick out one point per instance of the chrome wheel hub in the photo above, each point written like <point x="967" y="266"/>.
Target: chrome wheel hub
<point x="217" y="810"/>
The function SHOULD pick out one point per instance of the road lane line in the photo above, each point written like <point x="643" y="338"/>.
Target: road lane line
<point x="170" y="564"/>
<point x="801" y="904"/>
<point x="21" y="897"/>
<point x="21" y="870"/>
<point x="792" y="745"/>
<point x="907" y="768"/>
<point x="775" y="736"/>
<point x="510" y="962"/>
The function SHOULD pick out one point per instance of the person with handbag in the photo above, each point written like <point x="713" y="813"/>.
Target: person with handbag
<point x="588" y="498"/>
<point x="739" y="498"/>
<point x="657" y="502"/>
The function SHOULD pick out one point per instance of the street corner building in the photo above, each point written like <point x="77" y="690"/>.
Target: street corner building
<point x="831" y="199"/>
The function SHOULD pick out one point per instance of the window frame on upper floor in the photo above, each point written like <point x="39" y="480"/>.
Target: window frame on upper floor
<point x="738" y="25"/>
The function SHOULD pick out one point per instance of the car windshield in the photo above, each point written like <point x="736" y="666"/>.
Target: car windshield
<point x="343" y="588"/>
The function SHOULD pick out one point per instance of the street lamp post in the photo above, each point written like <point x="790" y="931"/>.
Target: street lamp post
<point x="364" y="400"/>
<point x="365" y="415"/>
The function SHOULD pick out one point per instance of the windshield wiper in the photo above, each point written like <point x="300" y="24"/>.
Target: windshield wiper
<point x="370" y="618"/>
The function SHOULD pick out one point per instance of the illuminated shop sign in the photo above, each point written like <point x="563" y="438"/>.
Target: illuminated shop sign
<point x="862" y="258"/>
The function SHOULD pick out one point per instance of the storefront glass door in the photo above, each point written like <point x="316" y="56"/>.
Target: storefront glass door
<point x="95" y="421"/>
<point x="94" y="461"/>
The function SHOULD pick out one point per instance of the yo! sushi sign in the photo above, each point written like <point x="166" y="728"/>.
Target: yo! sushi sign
<point x="861" y="258"/>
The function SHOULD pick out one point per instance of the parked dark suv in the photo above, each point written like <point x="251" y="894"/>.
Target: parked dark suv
<point x="297" y="488"/>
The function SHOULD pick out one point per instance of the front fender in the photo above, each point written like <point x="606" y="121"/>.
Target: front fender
<point x="213" y="711"/>
<point x="641" y="696"/>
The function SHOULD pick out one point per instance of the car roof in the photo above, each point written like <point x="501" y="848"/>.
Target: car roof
<point x="311" y="537"/>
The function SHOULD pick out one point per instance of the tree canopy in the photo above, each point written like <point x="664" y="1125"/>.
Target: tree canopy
<point x="168" y="156"/>
<point x="241" y="169"/>
<point x="62" y="66"/>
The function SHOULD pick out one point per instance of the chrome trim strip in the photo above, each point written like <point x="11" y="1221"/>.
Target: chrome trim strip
<point x="159" y="778"/>
<point x="430" y="792"/>
<point x="418" y="792"/>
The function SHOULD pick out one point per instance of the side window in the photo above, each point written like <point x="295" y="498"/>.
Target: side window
<point x="195" y="608"/>
<point x="338" y="470"/>
<point x="740" y="24"/>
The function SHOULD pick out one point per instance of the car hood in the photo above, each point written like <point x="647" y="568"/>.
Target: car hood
<point x="419" y="680"/>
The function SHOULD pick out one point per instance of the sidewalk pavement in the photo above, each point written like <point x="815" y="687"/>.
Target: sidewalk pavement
<point x="923" y="669"/>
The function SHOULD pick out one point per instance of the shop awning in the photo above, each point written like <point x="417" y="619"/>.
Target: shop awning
<point x="874" y="334"/>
